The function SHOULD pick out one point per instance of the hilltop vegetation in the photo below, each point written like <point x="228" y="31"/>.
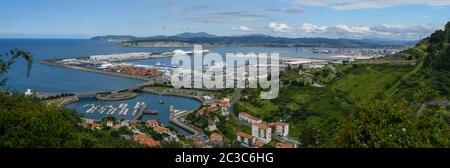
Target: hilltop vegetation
<point x="398" y="116"/>
<point x="388" y="104"/>
<point x="189" y="39"/>
<point x="26" y="122"/>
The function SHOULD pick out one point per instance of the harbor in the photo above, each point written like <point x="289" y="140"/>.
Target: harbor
<point x="145" y="106"/>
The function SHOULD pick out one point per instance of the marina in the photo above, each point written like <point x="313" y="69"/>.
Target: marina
<point x="145" y="106"/>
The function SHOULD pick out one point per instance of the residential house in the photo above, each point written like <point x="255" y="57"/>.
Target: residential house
<point x="284" y="145"/>
<point x="258" y="144"/>
<point x="216" y="139"/>
<point x="225" y="105"/>
<point x="262" y="132"/>
<point x="282" y="129"/>
<point x="161" y="129"/>
<point x="173" y="136"/>
<point x="201" y="111"/>
<point x="144" y="139"/>
<point x="96" y="125"/>
<point x="207" y="99"/>
<point x="245" y="139"/>
<point x="152" y="123"/>
<point x="248" y="118"/>
<point x="109" y="123"/>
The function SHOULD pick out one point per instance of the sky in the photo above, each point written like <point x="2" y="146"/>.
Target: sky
<point x="356" y="19"/>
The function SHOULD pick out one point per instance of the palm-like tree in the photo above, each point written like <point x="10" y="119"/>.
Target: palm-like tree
<point x="8" y="58"/>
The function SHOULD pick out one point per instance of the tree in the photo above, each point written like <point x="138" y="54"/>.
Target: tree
<point x="171" y="144"/>
<point x="381" y="123"/>
<point x="7" y="59"/>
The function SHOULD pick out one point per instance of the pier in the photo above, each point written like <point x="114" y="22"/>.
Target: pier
<point x="177" y="115"/>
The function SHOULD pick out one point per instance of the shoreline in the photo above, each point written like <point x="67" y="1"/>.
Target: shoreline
<point x="49" y="62"/>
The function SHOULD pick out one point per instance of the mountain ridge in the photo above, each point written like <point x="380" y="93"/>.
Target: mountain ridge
<point x="189" y="39"/>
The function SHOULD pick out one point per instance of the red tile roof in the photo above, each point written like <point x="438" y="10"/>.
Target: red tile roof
<point x="152" y="122"/>
<point x="282" y="124"/>
<point x="284" y="145"/>
<point x="245" y="135"/>
<point x="249" y="116"/>
<point x="259" y="144"/>
<point x="263" y="126"/>
<point x="201" y="111"/>
<point x="149" y="141"/>
<point x="160" y="129"/>
<point x="216" y="137"/>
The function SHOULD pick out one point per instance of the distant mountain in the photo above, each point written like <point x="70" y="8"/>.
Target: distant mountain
<point x="190" y="39"/>
<point x="114" y="38"/>
<point x="195" y="35"/>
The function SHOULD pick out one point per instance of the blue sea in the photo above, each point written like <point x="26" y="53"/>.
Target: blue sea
<point x="45" y="78"/>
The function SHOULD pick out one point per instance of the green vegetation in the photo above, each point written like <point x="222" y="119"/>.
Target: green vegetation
<point x="230" y="127"/>
<point x="7" y="59"/>
<point x="381" y="123"/>
<point x="307" y="109"/>
<point x="27" y="122"/>
<point x="399" y="119"/>
<point x="361" y="80"/>
<point x="371" y="103"/>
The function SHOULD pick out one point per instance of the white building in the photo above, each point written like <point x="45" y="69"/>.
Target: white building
<point x="207" y="99"/>
<point x="246" y="140"/>
<point x="225" y="105"/>
<point x="110" y="123"/>
<point x="262" y="132"/>
<point x="282" y="129"/>
<point x="28" y="92"/>
<point x="124" y="56"/>
<point x="248" y="118"/>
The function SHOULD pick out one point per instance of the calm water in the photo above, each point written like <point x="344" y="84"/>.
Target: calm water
<point x="46" y="78"/>
<point x="151" y="100"/>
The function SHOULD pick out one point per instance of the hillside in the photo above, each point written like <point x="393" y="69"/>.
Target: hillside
<point x="189" y="39"/>
<point x="26" y="122"/>
<point x="364" y="104"/>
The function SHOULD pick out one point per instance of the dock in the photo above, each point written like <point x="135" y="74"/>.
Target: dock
<point x="175" y="116"/>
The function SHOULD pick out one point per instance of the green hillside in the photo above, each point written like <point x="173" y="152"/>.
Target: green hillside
<point x="26" y="122"/>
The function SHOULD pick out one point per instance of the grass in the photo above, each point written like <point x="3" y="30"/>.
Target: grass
<point x="301" y="107"/>
<point x="230" y="127"/>
<point x="262" y="108"/>
<point x="315" y="109"/>
<point x="366" y="79"/>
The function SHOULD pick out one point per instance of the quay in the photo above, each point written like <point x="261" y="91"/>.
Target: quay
<point x="176" y="115"/>
<point x="79" y="68"/>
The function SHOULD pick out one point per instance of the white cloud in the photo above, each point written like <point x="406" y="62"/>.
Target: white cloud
<point x="279" y="27"/>
<point x="242" y="28"/>
<point x="310" y="28"/>
<point x="378" y="31"/>
<point x="363" y="4"/>
<point x="352" y="29"/>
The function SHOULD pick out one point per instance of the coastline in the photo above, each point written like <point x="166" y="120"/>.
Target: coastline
<point x="49" y="62"/>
